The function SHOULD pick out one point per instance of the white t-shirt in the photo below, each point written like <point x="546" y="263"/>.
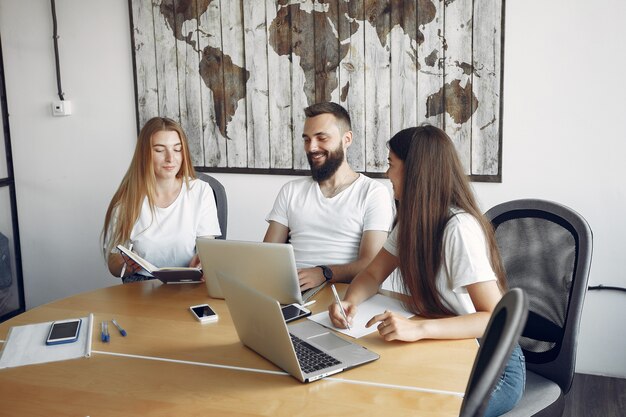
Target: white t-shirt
<point x="327" y="231"/>
<point x="169" y="238"/>
<point x="465" y="260"/>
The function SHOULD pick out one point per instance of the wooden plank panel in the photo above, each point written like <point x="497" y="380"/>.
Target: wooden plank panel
<point x="326" y="53"/>
<point x="188" y="58"/>
<point x="235" y="82"/>
<point x="209" y="41"/>
<point x="298" y="104"/>
<point x="487" y="87"/>
<point x="430" y="54"/>
<point x="279" y="85"/>
<point x="341" y="25"/>
<point x="166" y="65"/>
<point x="145" y="61"/>
<point x="377" y="88"/>
<point x="255" y="41"/>
<point x="352" y="77"/>
<point x="302" y="77"/>
<point x="391" y="63"/>
<point x="403" y="66"/>
<point x="457" y="93"/>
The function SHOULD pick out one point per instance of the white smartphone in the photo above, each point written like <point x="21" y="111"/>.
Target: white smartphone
<point x="63" y="331"/>
<point x="203" y="313"/>
<point x="293" y="312"/>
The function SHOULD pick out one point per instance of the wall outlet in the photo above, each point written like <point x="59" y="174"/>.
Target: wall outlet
<point x="61" y="108"/>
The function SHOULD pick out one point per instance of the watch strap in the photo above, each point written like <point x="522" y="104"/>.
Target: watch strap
<point x="327" y="272"/>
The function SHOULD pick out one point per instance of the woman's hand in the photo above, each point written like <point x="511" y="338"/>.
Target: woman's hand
<point x="195" y="262"/>
<point x="337" y="318"/>
<point x="122" y="266"/>
<point x="131" y="267"/>
<point x="392" y="326"/>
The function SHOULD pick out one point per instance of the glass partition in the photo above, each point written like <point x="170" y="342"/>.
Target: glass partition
<point x="3" y="153"/>
<point x="9" y="288"/>
<point x="11" y="284"/>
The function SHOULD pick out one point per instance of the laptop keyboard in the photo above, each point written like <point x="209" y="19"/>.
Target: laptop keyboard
<point x="311" y="358"/>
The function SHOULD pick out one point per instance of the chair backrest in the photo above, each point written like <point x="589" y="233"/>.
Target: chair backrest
<point x="546" y="249"/>
<point x="220" y="200"/>
<point x="502" y="333"/>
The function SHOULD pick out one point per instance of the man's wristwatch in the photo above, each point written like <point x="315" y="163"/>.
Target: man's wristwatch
<point x="328" y="273"/>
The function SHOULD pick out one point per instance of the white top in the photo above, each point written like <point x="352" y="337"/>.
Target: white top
<point x="169" y="239"/>
<point x="465" y="260"/>
<point x="327" y="231"/>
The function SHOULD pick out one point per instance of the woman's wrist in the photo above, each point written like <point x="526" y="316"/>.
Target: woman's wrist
<point x="423" y="329"/>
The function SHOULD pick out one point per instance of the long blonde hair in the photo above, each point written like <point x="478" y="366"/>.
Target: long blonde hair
<point x="140" y="182"/>
<point x="434" y="181"/>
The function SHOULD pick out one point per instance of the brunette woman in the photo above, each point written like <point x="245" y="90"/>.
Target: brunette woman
<point x="446" y="252"/>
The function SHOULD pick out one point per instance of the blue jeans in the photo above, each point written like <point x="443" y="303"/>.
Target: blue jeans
<point x="135" y="278"/>
<point x="510" y="387"/>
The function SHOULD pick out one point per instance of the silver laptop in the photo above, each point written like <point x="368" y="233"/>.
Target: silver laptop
<point x="268" y="267"/>
<point x="306" y="350"/>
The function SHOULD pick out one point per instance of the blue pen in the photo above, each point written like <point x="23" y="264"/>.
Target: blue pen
<point x="105" y="332"/>
<point x="122" y="331"/>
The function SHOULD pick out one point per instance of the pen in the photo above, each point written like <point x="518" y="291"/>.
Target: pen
<point x="130" y="247"/>
<point x="343" y="312"/>
<point x="308" y="304"/>
<point x="105" y="332"/>
<point x="122" y="331"/>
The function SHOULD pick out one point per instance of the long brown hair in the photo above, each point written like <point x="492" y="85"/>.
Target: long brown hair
<point x="140" y="182"/>
<point x="434" y="181"/>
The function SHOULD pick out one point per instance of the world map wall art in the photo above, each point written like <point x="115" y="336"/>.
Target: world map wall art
<point x="237" y="74"/>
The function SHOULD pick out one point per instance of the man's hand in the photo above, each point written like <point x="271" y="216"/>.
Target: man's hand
<point x="310" y="277"/>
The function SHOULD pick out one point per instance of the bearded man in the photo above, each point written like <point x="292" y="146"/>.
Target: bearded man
<point x="337" y="219"/>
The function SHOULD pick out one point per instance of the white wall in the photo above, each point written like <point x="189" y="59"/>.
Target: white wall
<point x="66" y="168"/>
<point x="563" y="100"/>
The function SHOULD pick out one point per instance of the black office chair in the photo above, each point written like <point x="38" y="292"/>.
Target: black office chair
<point x="502" y="333"/>
<point x="220" y="200"/>
<point x="546" y="249"/>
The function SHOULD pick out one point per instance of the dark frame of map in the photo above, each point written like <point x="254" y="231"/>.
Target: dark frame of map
<point x="238" y="74"/>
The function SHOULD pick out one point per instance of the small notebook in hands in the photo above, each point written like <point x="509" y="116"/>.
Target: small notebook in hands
<point x="306" y="350"/>
<point x="267" y="267"/>
<point x="168" y="275"/>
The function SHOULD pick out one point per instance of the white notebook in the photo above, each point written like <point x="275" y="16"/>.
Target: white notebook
<point x="366" y="310"/>
<point x="26" y="345"/>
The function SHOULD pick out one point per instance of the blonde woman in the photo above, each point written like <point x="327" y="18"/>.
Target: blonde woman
<point x="160" y="206"/>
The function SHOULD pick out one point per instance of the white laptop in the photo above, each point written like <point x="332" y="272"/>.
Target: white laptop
<point x="306" y="350"/>
<point x="268" y="267"/>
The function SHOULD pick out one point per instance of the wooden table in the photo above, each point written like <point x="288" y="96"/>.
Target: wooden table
<point x="172" y="365"/>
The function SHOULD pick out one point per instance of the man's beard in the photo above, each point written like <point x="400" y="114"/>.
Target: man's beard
<point x="334" y="159"/>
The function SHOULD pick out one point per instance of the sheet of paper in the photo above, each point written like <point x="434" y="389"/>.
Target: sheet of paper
<point x="368" y="309"/>
<point x="26" y="345"/>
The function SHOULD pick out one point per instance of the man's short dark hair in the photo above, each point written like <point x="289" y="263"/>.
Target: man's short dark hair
<point x="328" y="107"/>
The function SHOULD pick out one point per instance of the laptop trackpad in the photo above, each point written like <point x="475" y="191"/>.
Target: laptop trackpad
<point x="328" y="341"/>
